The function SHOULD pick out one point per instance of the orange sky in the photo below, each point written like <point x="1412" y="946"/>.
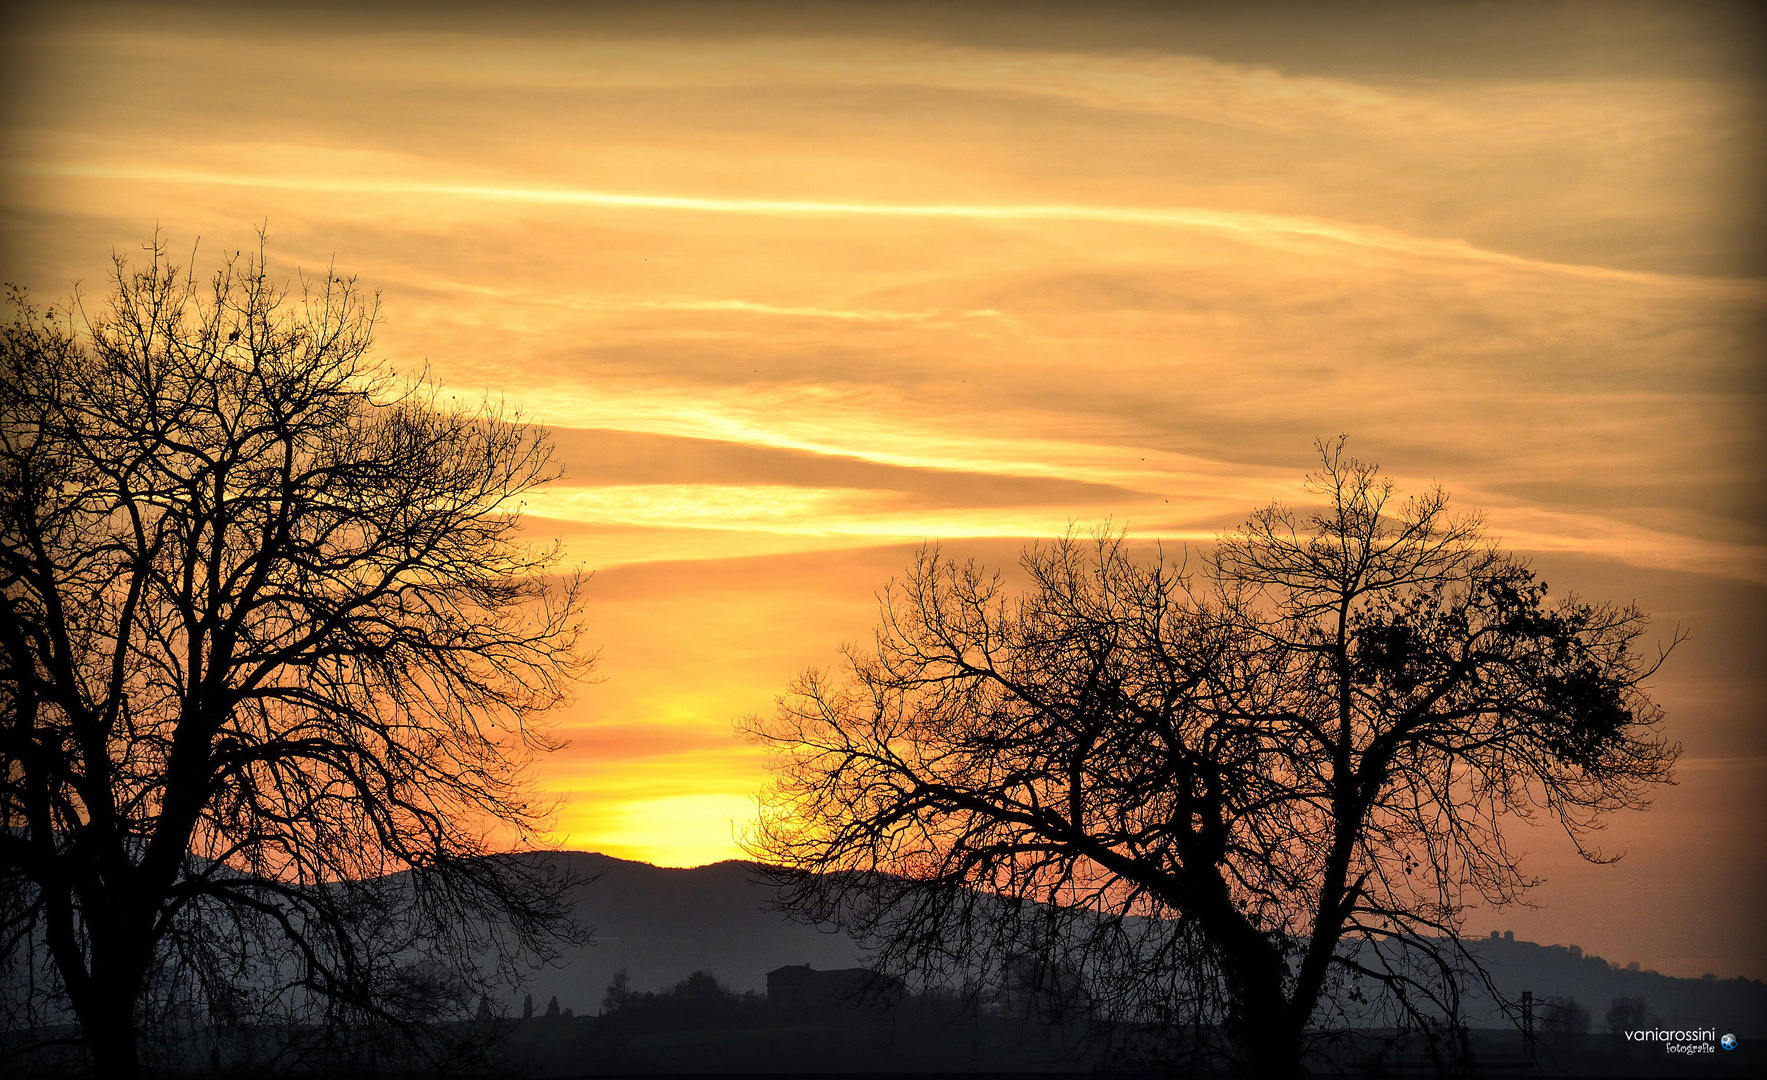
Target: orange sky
<point x="801" y="287"/>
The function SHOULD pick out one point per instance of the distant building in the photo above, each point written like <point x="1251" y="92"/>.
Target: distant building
<point x="800" y="988"/>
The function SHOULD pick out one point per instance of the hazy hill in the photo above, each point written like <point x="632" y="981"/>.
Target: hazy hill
<point x="1735" y="1005"/>
<point x="662" y="924"/>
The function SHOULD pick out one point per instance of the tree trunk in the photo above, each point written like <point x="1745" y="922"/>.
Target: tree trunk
<point x="108" y="1027"/>
<point x="1260" y="1020"/>
<point x="1261" y="1023"/>
<point x="119" y="960"/>
<point x="1267" y="1044"/>
<point x="1275" y="1056"/>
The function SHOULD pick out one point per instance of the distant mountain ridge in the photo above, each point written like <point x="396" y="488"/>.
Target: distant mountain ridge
<point x="662" y="924"/>
<point x="1737" y="1005"/>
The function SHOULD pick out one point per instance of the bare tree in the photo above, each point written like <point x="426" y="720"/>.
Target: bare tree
<point x="1239" y="800"/>
<point x="1566" y="1022"/>
<point x="1625" y="1014"/>
<point x="271" y="655"/>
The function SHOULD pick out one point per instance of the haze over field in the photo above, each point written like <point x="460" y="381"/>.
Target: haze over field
<point x="801" y="288"/>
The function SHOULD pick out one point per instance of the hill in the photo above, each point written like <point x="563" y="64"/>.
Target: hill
<point x="662" y="924"/>
<point x="1735" y="1005"/>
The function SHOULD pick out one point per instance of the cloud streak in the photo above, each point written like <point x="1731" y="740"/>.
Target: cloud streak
<point x="1258" y="225"/>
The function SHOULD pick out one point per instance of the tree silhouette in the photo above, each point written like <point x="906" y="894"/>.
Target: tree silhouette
<point x="1237" y="800"/>
<point x="1625" y="1014"/>
<point x="1566" y="1022"/>
<point x="271" y="656"/>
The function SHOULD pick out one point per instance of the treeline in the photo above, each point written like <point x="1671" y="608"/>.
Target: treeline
<point x="698" y="1001"/>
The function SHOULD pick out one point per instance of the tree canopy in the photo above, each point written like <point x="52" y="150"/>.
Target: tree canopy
<point x="1231" y="799"/>
<point x="272" y="656"/>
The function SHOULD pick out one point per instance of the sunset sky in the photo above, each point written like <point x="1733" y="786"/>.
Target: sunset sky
<point x="799" y="288"/>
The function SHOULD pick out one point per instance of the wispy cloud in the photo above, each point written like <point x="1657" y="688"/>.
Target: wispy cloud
<point x="1258" y="225"/>
<point x="633" y="303"/>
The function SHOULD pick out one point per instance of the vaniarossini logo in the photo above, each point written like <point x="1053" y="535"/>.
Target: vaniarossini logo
<point x="1728" y="1042"/>
<point x="1675" y="1041"/>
